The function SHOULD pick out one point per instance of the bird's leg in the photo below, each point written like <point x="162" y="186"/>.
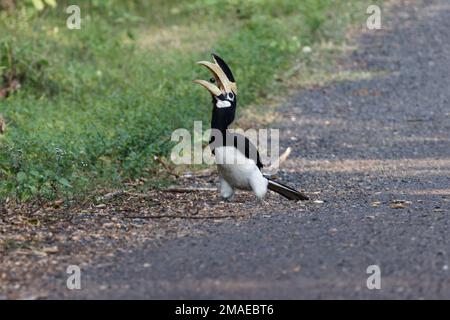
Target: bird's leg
<point x="226" y="190"/>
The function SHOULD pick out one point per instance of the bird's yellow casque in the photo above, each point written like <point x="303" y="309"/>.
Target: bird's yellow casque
<point x="224" y="84"/>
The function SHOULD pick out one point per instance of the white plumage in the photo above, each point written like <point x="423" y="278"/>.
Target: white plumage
<point x="237" y="171"/>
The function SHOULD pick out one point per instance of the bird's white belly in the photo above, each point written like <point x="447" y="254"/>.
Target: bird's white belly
<point x="234" y="167"/>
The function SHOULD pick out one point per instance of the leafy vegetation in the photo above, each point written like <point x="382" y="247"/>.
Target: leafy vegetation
<point x="96" y="105"/>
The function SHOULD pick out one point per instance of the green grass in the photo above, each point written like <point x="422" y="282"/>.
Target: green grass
<point x="97" y="104"/>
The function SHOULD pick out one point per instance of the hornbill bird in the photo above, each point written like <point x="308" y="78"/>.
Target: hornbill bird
<point x="238" y="160"/>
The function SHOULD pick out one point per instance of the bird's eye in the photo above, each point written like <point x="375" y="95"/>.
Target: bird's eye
<point x="212" y="80"/>
<point x="231" y="95"/>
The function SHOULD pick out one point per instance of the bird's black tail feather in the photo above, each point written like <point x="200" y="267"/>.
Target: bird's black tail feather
<point x="286" y="191"/>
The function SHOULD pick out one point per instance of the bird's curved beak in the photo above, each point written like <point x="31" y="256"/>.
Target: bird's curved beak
<point x="224" y="80"/>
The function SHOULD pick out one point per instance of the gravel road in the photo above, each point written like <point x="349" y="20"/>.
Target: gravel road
<point x="373" y="153"/>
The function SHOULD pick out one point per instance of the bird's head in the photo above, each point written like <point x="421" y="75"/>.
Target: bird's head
<point x="223" y="90"/>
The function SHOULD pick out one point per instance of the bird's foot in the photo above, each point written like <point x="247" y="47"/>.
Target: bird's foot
<point x="228" y="198"/>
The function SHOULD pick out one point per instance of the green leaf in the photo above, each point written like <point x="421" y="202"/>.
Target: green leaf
<point x="35" y="173"/>
<point x="38" y="4"/>
<point x="51" y="3"/>
<point x="64" y="182"/>
<point x="43" y="62"/>
<point x="21" y="177"/>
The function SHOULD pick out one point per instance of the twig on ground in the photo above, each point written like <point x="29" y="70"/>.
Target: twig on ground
<point x="186" y="216"/>
<point x="166" y="167"/>
<point x="111" y="195"/>
<point x="139" y="195"/>
<point x="186" y="190"/>
<point x="274" y="167"/>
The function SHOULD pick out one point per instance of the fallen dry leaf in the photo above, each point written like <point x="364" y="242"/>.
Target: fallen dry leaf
<point x="375" y="203"/>
<point x="58" y="203"/>
<point x="361" y="92"/>
<point x="399" y="204"/>
<point x="53" y="249"/>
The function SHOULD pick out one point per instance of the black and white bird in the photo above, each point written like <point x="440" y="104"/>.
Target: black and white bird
<point x="238" y="160"/>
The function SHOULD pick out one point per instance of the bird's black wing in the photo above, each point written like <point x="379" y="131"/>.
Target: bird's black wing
<point x="245" y="146"/>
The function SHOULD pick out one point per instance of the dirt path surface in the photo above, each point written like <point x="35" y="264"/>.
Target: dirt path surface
<point x="373" y="154"/>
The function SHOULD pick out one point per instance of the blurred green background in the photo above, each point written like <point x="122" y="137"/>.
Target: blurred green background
<point x="90" y="108"/>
